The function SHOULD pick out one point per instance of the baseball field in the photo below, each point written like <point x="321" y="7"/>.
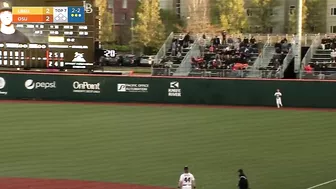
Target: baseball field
<point x="103" y="146"/>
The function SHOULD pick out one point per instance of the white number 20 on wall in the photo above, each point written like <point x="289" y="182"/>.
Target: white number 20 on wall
<point x="110" y="53"/>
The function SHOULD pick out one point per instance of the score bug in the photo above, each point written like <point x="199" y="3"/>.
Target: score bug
<point x="75" y="10"/>
<point x="60" y="10"/>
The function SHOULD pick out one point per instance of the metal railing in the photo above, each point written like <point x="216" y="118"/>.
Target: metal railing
<point x="289" y="57"/>
<point x="272" y="38"/>
<point x="310" y="53"/>
<point x="224" y="73"/>
<point x="164" y="48"/>
<point x="186" y="64"/>
<point x="259" y="61"/>
<point x="318" y="75"/>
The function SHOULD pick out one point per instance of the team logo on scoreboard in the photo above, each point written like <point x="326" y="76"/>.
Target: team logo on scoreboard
<point x="79" y="57"/>
<point x="2" y="85"/>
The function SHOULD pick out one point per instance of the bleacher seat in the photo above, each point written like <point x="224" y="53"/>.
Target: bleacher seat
<point x="220" y="59"/>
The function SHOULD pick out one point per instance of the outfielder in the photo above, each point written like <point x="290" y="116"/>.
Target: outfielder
<point x="187" y="180"/>
<point x="278" y="96"/>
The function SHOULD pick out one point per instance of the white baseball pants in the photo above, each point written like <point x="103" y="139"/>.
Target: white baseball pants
<point x="278" y="103"/>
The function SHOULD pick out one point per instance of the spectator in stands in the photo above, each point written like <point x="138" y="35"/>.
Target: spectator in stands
<point x="284" y="40"/>
<point x="235" y="54"/>
<point x="230" y="40"/>
<point x="333" y="56"/>
<point x="181" y="40"/>
<point x="186" y="40"/>
<point x="323" y="43"/>
<point x="212" y="49"/>
<point x="223" y="37"/>
<point x="329" y="41"/>
<point x="277" y="63"/>
<point x="179" y="48"/>
<point x="216" y="41"/>
<point x="179" y="54"/>
<point x="245" y="40"/>
<point x="308" y="69"/>
<point x="202" y="44"/>
<point x="253" y="40"/>
<point x="333" y="45"/>
<point x="285" y="46"/>
<point x="326" y="43"/>
<point x="174" y="47"/>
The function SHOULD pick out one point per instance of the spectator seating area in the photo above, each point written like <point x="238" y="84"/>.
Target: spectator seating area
<point x="180" y="46"/>
<point x="225" y="57"/>
<point x="281" y="50"/>
<point x="324" y="59"/>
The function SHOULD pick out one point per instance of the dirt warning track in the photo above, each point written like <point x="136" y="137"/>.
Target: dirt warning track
<point x="168" y="105"/>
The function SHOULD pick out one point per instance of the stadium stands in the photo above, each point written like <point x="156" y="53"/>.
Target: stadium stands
<point x="225" y="59"/>
<point x="322" y="64"/>
<point x="177" y="49"/>
<point x="324" y="57"/>
<point x="273" y="67"/>
<point x="265" y="56"/>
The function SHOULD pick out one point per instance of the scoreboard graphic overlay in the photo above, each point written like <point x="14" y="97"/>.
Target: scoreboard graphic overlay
<point x="60" y="37"/>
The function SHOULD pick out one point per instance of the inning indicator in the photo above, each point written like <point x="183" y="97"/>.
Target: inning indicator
<point x="71" y="14"/>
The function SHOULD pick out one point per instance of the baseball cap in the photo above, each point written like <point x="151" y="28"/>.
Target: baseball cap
<point x="5" y="5"/>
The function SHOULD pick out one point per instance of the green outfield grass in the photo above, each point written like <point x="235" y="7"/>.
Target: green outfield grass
<point x="279" y="149"/>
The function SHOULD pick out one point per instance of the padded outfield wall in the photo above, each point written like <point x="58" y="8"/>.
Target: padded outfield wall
<point x="102" y="88"/>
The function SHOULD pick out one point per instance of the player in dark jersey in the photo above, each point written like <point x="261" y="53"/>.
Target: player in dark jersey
<point x="243" y="182"/>
<point x="8" y="33"/>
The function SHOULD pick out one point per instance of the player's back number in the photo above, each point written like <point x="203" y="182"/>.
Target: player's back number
<point x="187" y="179"/>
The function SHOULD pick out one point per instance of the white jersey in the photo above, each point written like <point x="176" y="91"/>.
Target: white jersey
<point x="187" y="179"/>
<point x="278" y="95"/>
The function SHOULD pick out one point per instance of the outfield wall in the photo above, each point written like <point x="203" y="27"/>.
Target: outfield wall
<point x="166" y="90"/>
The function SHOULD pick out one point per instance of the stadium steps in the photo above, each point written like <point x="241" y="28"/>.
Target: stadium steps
<point x="262" y="61"/>
<point x="321" y="56"/>
<point x="175" y="61"/>
<point x="267" y="56"/>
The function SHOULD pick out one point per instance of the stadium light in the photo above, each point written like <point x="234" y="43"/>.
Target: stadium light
<point x="299" y="37"/>
<point x="132" y="30"/>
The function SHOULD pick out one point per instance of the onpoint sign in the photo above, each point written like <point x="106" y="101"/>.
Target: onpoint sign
<point x="31" y="84"/>
<point x="86" y="87"/>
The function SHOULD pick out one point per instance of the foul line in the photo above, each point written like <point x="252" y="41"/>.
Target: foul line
<point x="322" y="184"/>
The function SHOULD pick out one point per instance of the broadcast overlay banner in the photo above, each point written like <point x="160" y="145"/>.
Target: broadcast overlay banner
<point x="64" y="32"/>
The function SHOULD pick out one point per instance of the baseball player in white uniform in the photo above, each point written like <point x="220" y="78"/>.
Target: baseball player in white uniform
<point x="278" y="96"/>
<point x="187" y="180"/>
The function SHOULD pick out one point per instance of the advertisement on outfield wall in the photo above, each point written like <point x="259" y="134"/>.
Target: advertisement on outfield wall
<point x="174" y="89"/>
<point x="30" y="84"/>
<point x="132" y="88"/>
<point x="85" y="87"/>
<point x="2" y="86"/>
